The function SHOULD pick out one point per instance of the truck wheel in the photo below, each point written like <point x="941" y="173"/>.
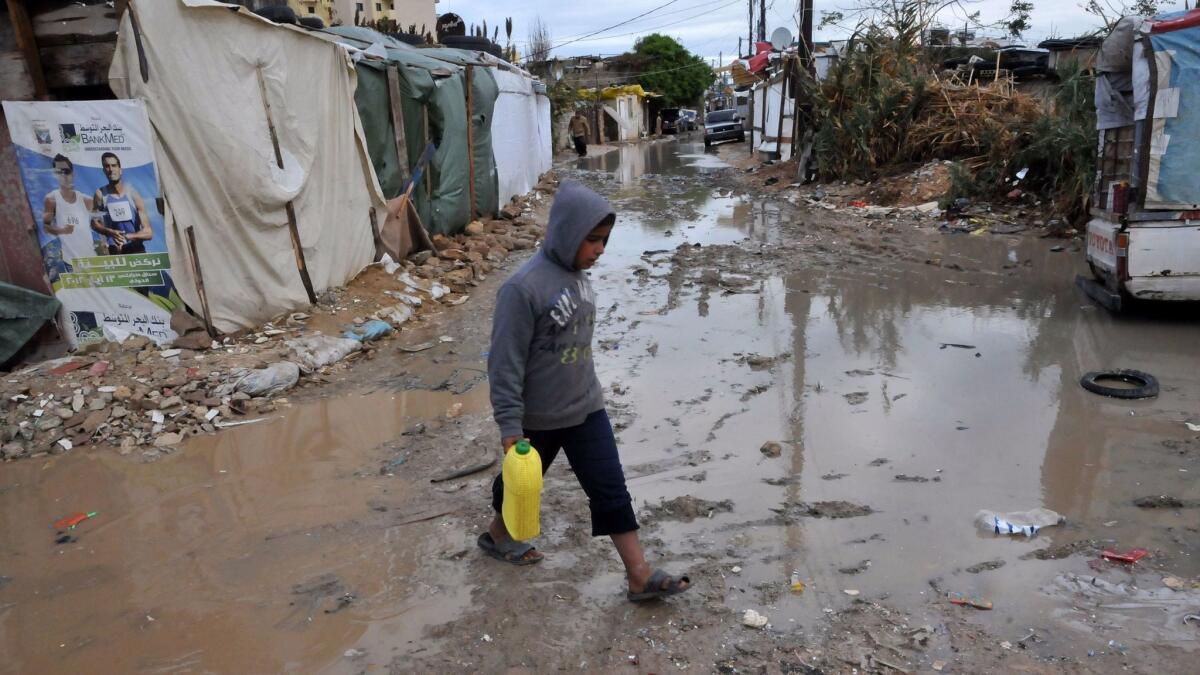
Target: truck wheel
<point x="1146" y="385"/>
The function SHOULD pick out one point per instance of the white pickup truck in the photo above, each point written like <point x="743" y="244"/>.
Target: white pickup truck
<point x="1143" y="239"/>
<point x="1144" y="259"/>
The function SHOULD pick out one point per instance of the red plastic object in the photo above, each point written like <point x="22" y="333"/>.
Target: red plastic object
<point x="1189" y="20"/>
<point x="71" y="521"/>
<point x="98" y="368"/>
<point x="1131" y="556"/>
<point x="193" y="373"/>
<point x="762" y="55"/>
<point x="859" y="203"/>
<point x="68" y="367"/>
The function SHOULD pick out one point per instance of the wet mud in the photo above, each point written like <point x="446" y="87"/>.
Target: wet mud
<point x="800" y="395"/>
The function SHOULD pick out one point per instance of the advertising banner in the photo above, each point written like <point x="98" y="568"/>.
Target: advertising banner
<point x="88" y="170"/>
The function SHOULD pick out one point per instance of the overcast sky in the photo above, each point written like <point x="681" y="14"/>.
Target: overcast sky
<point x="712" y="27"/>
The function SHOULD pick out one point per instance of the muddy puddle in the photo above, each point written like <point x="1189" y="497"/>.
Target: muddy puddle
<point x="272" y="547"/>
<point x="924" y="394"/>
<point x="780" y="418"/>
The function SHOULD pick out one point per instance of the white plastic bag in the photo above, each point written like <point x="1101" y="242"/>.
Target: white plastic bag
<point x="313" y="352"/>
<point x="274" y="379"/>
<point x="1017" y="522"/>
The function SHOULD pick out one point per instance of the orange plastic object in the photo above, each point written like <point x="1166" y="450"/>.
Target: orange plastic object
<point x="69" y="522"/>
<point x="1131" y="556"/>
<point x="970" y="601"/>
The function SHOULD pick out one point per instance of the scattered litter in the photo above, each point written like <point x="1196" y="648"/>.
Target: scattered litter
<point x="372" y="330"/>
<point x="486" y="638"/>
<point x="1027" y="523"/>
<point x="939" y="665"/>
<point x="313" y="352"/>
<point x="417" y="348"/>
<point x="956" y="345"/>
<point x="975" y="601"/>
<point x="1193" y="427"/>
<point x="1130" y="557"/>
<point x="65" y="444"/>
<point x="771" y="449"/>
<point x="753" y="619"/>
<point x="1173" y="583"/>
<point x="228" y="425"/>
<point x="797" y="586"/>
<point x="735" y="569"/>
<point x="70" y="522"/>
<point x="852" y="592"/>
<point x="276" y="378"/>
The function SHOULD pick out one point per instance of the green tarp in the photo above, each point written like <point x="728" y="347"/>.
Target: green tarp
<point x="430" y="80"/>
<point x="22" y="314"/>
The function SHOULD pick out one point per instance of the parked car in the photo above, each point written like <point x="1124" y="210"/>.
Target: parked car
<point x="671" y="120"/>
<point x="1020" y="61"/>
<point x="723" y="125"/>
<point x="692" y="119"/>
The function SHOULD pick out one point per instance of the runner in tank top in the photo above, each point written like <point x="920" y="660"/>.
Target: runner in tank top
<point x="122" y="220"/>
<point x="67" y="214"/>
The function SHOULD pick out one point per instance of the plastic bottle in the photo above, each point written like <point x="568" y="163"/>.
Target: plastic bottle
<point x="522" y="472"/>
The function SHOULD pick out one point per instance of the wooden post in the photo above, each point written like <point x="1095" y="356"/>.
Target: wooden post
<point x="749" y="115"/>
<point x="199" y="277"/>
<point x="23" y="28"/>
<point x="428" y="140"/>
<point x="766" y="99"/>
<point x="783" y="85"/>
<point x="471" y="135"/>
<point x="297" y="247"/>
<point x="395" y="102"/>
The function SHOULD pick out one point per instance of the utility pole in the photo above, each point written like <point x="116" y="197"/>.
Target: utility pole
<point x="762" y="20"/>
<point x="750" y="35"/>
<point x="806" y="34"/>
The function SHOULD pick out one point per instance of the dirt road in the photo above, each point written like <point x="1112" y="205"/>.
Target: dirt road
<point x="909" y="379"/>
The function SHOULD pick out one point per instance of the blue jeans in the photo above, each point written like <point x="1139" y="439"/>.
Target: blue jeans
<point x="592" y="452"/>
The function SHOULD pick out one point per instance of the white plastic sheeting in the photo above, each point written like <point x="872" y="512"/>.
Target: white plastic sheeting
<point x="765" y="136"/>
<point x="520" y="134"/>
<point x="217" y="161"/>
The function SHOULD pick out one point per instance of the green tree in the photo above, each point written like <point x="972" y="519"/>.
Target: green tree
<point x="678" y="75"/>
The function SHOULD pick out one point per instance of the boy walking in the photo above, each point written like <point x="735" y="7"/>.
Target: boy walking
<point x="544" y="385"/>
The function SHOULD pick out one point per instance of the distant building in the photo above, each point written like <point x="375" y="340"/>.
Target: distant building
<point x="404" y="12"/>
<point x="322" y="9"/>
<point x="1081" y="51"/>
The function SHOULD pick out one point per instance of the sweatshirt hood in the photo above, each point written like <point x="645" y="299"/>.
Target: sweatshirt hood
<point x="576" y="211"/>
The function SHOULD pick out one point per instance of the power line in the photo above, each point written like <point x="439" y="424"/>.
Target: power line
<point x="616" y="25"/>
<point x="665" y="25"/>
<point x="583" y="37"/>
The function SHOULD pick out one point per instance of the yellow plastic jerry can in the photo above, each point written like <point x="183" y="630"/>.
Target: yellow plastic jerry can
<point x="522" y="472"/>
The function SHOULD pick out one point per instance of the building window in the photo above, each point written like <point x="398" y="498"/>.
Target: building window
<point x="358" y="6"/>
<point x="379" y="7"/>
<point x="312" y="10"/>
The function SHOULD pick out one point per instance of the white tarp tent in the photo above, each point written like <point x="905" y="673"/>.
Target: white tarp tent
<point x="197" y="65"/>
<point x="767" y="95"/>
<point x="521" y="147"/>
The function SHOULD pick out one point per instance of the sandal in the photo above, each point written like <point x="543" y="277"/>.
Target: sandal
<point x="654" y="587"/>
<point x="512" y="552"/>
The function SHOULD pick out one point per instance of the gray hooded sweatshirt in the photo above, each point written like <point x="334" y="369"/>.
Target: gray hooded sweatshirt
<point x="540" y="365"/>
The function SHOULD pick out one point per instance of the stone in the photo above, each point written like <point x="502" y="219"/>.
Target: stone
<point x="475" y="256"/>
<point x="99" y="402"/>
<point x="64" y="413"/>
<point x="118" y="412"/>
<point x="49" y="422"/>
<point x="497" y="254"/>
<point x="451" y="254"/>
<point x="420" y="257"/>
<point x="127" y="445"/>
<point x="77" y="402"/>
<point x="441" y="241"/>
<point x="168" y="439"/>
<point x="771" y="449"/>
<point x="474" y="228"/>
<point x="136" y="342"/>
<point x="94" y="420"/>
<point x="510" y="211"/>
<point x="459" y="277"/>
<point x="522" y="244"/>
<point x="12" y="450"/>
<point x="123" y="393"/>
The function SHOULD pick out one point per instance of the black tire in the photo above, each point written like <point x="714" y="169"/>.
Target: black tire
<point x="707" y="143"/>
<point x="468" y="42"/>
<point x="1147" y="384"/>
<point x="742" y="138"/>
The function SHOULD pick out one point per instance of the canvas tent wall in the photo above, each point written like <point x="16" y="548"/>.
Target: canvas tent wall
<point x="520" y="132"/>
<point x="1167" y="100"/>
<point x="432" y="83"/>
<point x="766" y="118"/>
<point x="197" y="65"/>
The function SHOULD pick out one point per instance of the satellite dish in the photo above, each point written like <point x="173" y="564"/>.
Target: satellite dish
<point x="781" y="38"/>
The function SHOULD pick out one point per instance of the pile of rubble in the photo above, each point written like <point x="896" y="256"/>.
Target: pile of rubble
<point x="141" y="397"/>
